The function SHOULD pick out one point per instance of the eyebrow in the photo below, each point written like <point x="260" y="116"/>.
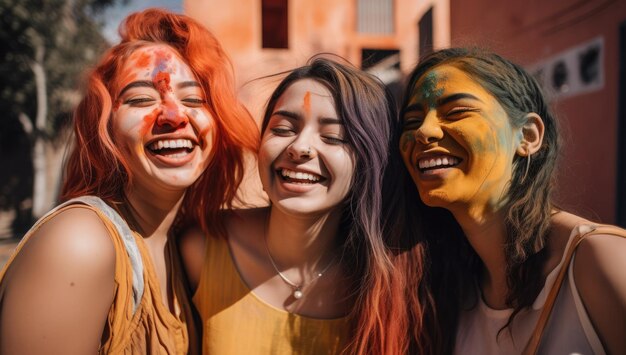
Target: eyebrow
<point x="296" y="117"/>
<point x="454" y="97"/>
<point x="150" y="84"/>
<point x="137" y="84"/>
<point x="186" y="84"/>
<point x="442" y="101"/>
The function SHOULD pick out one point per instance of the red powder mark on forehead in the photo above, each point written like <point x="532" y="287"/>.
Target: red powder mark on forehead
<point x="141" y="58"/>
<point x="148" y="121"/>
<point x="306" y="105"/>
<point x="162" y="82"/>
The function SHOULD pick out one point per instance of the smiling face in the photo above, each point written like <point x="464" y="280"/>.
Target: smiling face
<point x="160" y="121"/>
<point x="305" y="164"/>
<point x="458" y="143"/>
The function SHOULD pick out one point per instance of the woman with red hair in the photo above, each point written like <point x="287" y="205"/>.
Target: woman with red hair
<point x="160" y="136"/>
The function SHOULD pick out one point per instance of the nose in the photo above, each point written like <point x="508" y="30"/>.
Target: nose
<point x="430" y="130"/>
<point x="172" y="115"/>
<point x="301" y="149"/>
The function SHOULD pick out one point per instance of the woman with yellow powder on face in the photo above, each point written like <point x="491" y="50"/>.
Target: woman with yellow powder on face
<point x="158" y="131"/>
<point x="509" y="272"/>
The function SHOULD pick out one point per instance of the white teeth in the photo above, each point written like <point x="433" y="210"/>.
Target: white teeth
<point x="171" y="143"/>
<point x="426" y="163"/>
<point x="299" y="175"/>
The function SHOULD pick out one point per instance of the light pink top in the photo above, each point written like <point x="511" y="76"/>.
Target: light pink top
<point x="569" y="330"/>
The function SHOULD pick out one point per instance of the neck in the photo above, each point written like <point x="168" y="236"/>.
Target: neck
<point x="302" y="240"/>
<point x="153" y="215"/>
<point x="486" y="234"/>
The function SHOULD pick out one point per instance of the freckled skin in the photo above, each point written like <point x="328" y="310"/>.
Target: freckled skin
<point x="483" y="138"/>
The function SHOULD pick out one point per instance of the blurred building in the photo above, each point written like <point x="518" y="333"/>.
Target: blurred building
<point x="577" y="49"/>
<point x="264" y="37"/>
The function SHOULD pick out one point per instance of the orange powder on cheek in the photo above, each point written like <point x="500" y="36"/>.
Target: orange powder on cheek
<point x="306" y="104"/>
<point x="148" y="121"/>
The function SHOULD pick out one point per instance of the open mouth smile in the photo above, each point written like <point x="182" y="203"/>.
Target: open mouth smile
<point x="171" y="148"/>
<point x="442" y="161"/>
<point x="299" y="177"/>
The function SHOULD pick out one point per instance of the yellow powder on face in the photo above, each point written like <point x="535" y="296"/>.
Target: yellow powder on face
<point x="480" y="136"/>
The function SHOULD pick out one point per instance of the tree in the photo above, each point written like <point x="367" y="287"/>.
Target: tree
<point x="44" y="47"/>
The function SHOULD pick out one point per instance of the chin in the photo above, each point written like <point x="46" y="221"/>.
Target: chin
<point x="435" y="198"/>
<point x="300" y="207"/>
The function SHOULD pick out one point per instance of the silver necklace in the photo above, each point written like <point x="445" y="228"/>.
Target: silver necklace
<point x="297" y="289"/>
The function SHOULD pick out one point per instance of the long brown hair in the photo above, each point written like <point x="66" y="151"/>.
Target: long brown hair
<point x="95" y="165"/>
<point x="454" y="266"/>
<point x="363" y="104"/>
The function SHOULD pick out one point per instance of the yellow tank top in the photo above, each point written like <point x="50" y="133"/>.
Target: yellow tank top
<point x="143" y="327"/>
<point x="236" y="321"/>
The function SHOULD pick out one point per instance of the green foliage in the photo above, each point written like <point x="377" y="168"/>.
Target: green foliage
<point x="71" y="40"/>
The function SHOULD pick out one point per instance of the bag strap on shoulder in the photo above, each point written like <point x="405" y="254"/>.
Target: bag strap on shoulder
<point x="533" y="344"/>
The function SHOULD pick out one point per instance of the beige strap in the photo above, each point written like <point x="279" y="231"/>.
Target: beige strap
<point x="533" y="344"/>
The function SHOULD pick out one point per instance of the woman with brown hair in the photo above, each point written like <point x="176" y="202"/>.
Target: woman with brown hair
<point x="310" y="273"/>
<point x="509" y="272"/>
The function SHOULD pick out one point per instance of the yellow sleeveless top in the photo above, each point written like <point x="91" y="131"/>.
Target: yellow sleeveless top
<point x="147" y="327"/>
<point x="236" y="321"/>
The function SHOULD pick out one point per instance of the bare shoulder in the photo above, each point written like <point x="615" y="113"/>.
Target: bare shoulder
<point x="64" y="277"/>
<point x="75" y="240"/>
<point x="601" y="257"/>
<point x="193" y="241"/>
<point x="599" y="275"/>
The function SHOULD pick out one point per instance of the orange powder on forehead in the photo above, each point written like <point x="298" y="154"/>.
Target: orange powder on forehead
<point x="162" y="82"/>
<point x="142" y="59"/>
<point x="306" y="104"/>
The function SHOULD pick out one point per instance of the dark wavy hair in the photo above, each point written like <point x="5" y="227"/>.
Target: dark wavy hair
<point x="96" y="166"/>
<point x="453" y="268"/>
<point x="363" y="105"/>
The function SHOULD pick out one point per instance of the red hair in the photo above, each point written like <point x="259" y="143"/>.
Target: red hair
<point x="96" y="167"/>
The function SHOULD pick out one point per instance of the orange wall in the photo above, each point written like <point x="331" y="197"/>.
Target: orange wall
<point x="314" y="26"/>
<point x="529" y="31"/>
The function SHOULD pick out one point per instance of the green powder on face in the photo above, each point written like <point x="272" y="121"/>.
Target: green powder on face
<point x="430" y="93"/>
<point x="407" y="137"/>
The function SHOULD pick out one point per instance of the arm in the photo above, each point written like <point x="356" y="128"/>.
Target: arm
<point x="59" y="288"/>
<point x="192" y="244"/>
<point x="599" y="273"/>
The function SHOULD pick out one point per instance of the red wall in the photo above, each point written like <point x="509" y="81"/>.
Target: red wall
<point x="529" y="31"/>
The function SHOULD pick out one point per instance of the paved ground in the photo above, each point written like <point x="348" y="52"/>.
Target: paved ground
<point x="6" y="248"/>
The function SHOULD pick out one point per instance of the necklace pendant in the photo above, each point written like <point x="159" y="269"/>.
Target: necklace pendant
<point x="297" y="293"/>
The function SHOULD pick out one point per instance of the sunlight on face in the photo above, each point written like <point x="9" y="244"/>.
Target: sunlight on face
<point x="457" y="142"/>
<point x="305" y="164"/>
<point x="160" y="121"/>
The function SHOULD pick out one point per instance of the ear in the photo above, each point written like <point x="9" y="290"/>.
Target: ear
<point x="532" y="135"/>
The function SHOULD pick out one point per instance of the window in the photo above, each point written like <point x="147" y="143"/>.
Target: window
<point x="425" y="27"/>
<point x="375" y="17"/>
<point x="274" y="18"/>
